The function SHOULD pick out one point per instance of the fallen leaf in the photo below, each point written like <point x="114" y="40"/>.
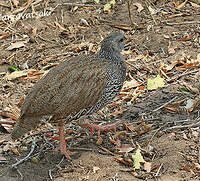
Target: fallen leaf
<point x="125" y="148"/>
<point x="155" y="83"/>
<point x="130" y="84"/>
<point x="15" y="2"/>
<point x="61" y="27"/>
<point x="95" y="169"/>
<point x="171" y="50"/>
<point x="194" y="5"/>
<point x="2" y="158"/>
<point x="96" y="1"/>
<point x="16" y="74"/>
<point x="4" y="35"/>
<point x="139" y="6"/>
<point x="99" y="141"/>
<point x="15" y="150"/>
<point x="152" y="10"/>
<point x="123" y="27"/>
<point x="107" y="7"/>
<point x="189" y="37"/>
<point x="182" y="4"/>
<point x="148" y="166"/>
<point x="15" y="45"/>
<point x="137" y="159"/>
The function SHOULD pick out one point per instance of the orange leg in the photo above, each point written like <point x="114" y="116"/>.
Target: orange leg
<point x="100" y="128"/>
<point x="63" y="146"/>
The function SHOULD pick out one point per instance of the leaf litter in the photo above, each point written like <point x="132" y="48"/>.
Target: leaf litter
<point x="142" y="123"/>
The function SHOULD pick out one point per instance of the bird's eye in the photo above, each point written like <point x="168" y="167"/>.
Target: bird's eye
<point x="121" y="40"/>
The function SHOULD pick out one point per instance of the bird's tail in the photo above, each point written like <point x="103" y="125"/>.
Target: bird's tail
<point x="23" y="126"/>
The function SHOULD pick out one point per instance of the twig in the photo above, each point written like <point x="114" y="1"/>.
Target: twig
<point x="193" y="125"/>
<point x="150" y="12"/>
<point x="186" y="22"/>
<point x="183" y="74"/>
<point x="158" y="170"/>
<point x="27" y="157"/>
<point x="4" y="5"/>
<point x="114" y="178"/>
<point x="21" y="176"/>
<point x="156" y="133"/>
<point x="80" y="5"/>
<point x="164" y="104"/>
<point x="50" y="170"/>
<point x="129" y="13"/>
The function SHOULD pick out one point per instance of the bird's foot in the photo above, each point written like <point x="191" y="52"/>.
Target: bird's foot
<point x="65" y="152"/>
<point x="100" y="128"/>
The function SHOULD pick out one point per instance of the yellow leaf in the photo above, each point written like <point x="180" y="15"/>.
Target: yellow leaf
<point x="137" y="159"/>
<point x="112" y="2"/>
<point x="96" y="1"/>
<point x="107" y="7"/>
<point x="155" y="83"/>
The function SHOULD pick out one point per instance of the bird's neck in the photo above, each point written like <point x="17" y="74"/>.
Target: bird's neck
<point x="110" y="55"/>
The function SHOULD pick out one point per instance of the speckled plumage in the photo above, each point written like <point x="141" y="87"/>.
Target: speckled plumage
<point x="78" y="86"/>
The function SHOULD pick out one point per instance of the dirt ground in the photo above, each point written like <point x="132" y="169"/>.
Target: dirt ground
<point x="162" y="38"/>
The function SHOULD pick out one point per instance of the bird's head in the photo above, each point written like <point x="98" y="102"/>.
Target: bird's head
<point x="115" y="41"/>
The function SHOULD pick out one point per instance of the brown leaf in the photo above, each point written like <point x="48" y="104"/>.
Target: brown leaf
<point x="125" y="148"/>
<point x="194" y="5"/>
<point x="124" y="161"/>
<point x="139" y="6"/>
<point x="187" y="38"/>
<point x="99" y="141"/>
<point x="123" y="27"/>
<point x="4" y="35"/>
<point x="2" y="158"/>
<point x="148" y="166"/>
<point x="15" y="2"/>
<point x="130" y="84"/>
<point x="182" y="4"/>
<point x="176" y="3"/>
<point x="15" y="150"/>
<point x="61" y="27"/>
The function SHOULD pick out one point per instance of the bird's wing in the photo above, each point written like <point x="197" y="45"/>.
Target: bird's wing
<point x="73" y="85"/>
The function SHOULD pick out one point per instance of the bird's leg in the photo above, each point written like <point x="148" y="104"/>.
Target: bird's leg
<point x="100" y="128"/>
<point x="63" y="146"/>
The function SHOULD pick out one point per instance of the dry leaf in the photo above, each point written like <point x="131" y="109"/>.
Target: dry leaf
<point x="95" y="169"/>
<point x="194" y="5"/>
<point x="15" y="150"/>
<point x="139" y="6"/>
<point x="16" y="74"/>
<point x="4" y="35"/>
<point x="171" y="50"/>
<point x="182" y="4"/>
<point x="123" y="27"/>
<point x="18" y="44"/>
<point x="61" y="27"/>
<point x="2" y="158"/>
<point x="99" y="141"/>
<point x="125" y="148"/>
<point x="148" y="166"/>
<point x="176" y="3"/>
<point x="15" y="2"/>
<point x="130" y="84"/>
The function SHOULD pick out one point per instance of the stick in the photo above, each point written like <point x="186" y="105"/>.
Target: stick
<point x="81" y="5"/>
<point x="186" y="22"/>
<point x="164" y="104"/>
<point x="27" y="157"/>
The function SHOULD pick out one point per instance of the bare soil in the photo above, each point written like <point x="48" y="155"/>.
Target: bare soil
<point x="170" y="140"/>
